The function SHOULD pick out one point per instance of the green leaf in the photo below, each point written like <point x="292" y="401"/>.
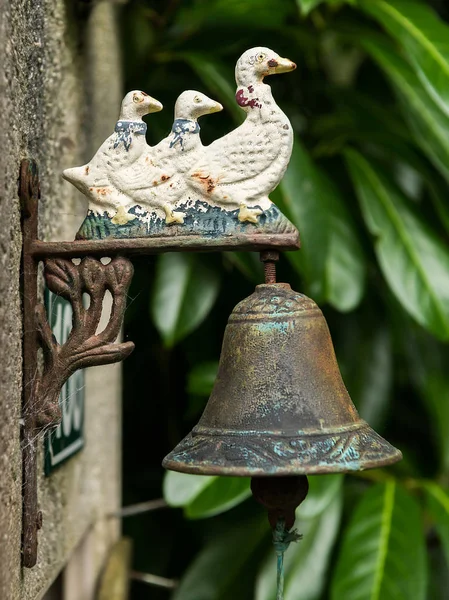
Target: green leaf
<point x="248" y="263"/>
<point x="180" y="488"/>
<point x="345" y="265"/>
<point x="230" y="14"/>
<point x="361" y="118"/>
<point x="383" y="553"/>
<point x="217" y="81"/>
<point x="204" y="496"/>
<point x="366" y="361"/>
<point x="439" y="581"/>
<point x="438" y="505"/>
<point x="413" y="260"/>
<point x="216" y="569"/>
<point x="331" y="259"/>
<point x="306" y="6"/>
<point x="307" y="561"/>
<point x="438" y="195"/>
<point x="185" y="290"/>
<point x="221" y="495"/>
<point x="424" y="37"/>
<point x="375" y="383"/>
<point x="430" y="126"/>
<point x="428" y="368"/>
<point x="322" y="490"/>
<point x="202" y="378"/>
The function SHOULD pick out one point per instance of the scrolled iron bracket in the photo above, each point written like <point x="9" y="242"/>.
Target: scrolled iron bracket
<point x="84" y="346"/>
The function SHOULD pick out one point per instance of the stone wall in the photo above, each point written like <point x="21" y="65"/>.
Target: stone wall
<point x="60" y="91"/>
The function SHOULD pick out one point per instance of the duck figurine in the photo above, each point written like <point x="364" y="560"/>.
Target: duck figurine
<point x="99" y="179"/>
<point x="247" y="164"/>
<point x="157" y="180"/>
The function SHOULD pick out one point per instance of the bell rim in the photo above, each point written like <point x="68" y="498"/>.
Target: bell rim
<point x="209" y="470"/>
<point x="356" y="449"/>
<point x="284" y="433"/>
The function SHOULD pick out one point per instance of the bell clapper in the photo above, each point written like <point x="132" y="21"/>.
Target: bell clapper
<point x="281" y="496"/>
<point x="269" y="259"/>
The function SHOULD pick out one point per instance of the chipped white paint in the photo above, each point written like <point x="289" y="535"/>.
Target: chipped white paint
<point x="128" y="180"/>
<point x="100" y="180"/>
<point x="158" y="180"/>
<point x="249" y="162"/>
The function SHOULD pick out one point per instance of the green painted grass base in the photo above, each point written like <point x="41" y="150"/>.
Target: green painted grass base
<point x="200" y="220"/>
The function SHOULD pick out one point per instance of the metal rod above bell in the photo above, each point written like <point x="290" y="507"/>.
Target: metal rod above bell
<point x="279" y="406"/>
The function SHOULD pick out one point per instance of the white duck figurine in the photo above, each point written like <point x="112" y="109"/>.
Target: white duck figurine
<point x="248" y="163"/>
<point x="157" y="180"/>
<point x="99" y="179"/>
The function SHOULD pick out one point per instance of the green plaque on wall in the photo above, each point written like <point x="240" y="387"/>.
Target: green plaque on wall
<point x="68" y="438"/>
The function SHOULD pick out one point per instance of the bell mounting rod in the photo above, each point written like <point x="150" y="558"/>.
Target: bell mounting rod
<point x="269" y="259"/>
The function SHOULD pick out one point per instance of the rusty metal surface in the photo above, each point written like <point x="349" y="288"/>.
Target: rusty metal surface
<point x="279" y="405"/>
<point x="148" y="246"/>
<point x="280" y="496"/>
<point x="269" y="258"/>
<point x="29" y="195"/>
<point x="84" y="348"/>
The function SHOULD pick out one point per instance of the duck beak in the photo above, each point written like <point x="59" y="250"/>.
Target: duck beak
<point x="216" y="107"/>
<point x="156" y="106"/>
<point x="281" y="65"/>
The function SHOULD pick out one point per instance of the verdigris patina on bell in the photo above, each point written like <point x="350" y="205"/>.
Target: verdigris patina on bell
<point x="279" y="405"/>
<point x="181" y="188"/>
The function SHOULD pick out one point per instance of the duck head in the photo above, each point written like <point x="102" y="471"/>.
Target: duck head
<point x="257" y="63"/>
<point x="136" y="104"/>
<point x="191" y="105"/>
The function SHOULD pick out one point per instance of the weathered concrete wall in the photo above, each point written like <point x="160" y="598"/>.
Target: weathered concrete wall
<point x="60" y="92"/>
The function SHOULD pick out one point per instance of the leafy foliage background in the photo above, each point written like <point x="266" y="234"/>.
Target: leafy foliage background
<point x="367" y="187"/>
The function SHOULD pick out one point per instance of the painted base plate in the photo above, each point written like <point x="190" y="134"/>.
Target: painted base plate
<point x="201" y="221"/>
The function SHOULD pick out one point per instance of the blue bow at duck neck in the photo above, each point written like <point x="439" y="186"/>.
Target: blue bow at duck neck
<point x="180" y="128"/>
<point x="125" y="131"/>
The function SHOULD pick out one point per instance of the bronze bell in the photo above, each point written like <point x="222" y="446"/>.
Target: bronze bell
<point x="279" y="405"/>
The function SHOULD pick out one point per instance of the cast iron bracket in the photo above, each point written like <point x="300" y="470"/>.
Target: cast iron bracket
<point x="84" y="347"/>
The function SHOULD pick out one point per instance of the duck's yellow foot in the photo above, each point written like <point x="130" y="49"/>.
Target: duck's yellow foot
<point x="175" y="217"/>
<point x="249" y="215"/>
<point x="122" y="217"/>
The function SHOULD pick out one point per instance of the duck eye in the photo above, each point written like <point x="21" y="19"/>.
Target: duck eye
<point x="197" y="100"/>
<point x="137" y="99"/>
<point x="260" y="57"/>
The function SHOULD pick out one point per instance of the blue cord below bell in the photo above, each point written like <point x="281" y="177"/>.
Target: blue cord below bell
<point x="282" y="538"/>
